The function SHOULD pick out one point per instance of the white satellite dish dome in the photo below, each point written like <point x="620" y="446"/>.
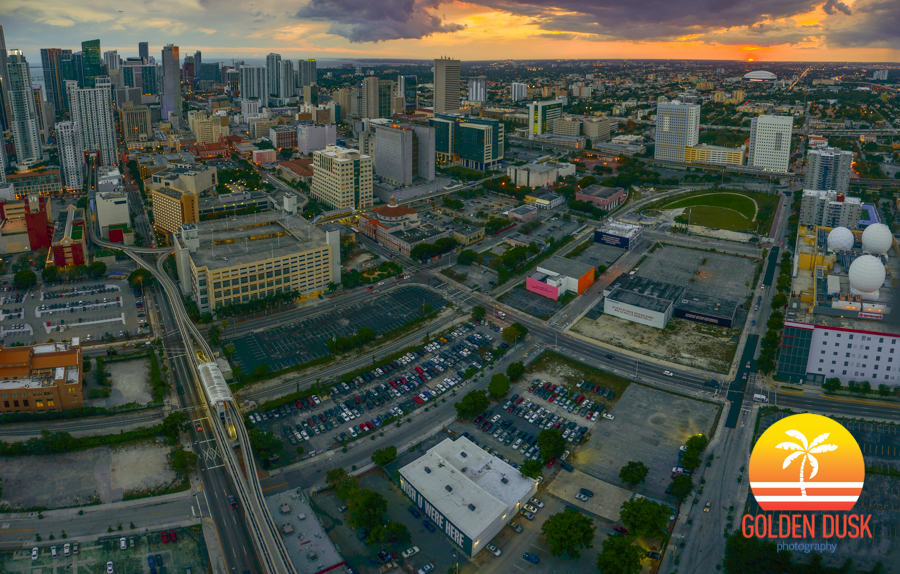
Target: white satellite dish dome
<point x="866" y="274"/>
<point x="877" y="239"/>
<point x="841" y="239"/>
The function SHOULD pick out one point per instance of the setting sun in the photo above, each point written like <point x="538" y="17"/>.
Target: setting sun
<point x="749" y="59"/>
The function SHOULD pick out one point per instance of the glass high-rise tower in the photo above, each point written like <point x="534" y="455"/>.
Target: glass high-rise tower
<point x="24" y="121"/>
<point x="91" y="61"/>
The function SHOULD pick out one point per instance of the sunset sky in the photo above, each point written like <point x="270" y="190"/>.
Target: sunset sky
<point x="765" y="30"/>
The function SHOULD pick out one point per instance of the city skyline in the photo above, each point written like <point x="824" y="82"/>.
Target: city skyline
<point x="796" y="30"/>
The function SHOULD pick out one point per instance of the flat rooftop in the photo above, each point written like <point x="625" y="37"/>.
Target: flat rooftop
<point x="419" y="233"/>
<point x="246" y="239"/>
<point x="308" y="545"/>
<point x="650" y="300"/>
<point x="601" y="191"/>
<point x="563" y="266"/>
<point x="482" y="487"/>
<point x="826" y="288"/>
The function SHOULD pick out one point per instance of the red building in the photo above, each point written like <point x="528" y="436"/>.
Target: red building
<point x="69" y="245"/>
<point x="32" y="213"/>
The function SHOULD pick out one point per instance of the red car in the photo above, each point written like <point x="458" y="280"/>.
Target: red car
<point x="419" y="370"/>
<point x="519" y="400"/>
<point x="310" y="402"/>
<point x="418" y="401"/>
<point x="621" y="529"/>
<point x="362" y="427"/>
<point x="551" y="461"/>
<point x="393" y="383"/>
<point x="551" y="399"/>
<point x="172" y="536"/>
<point x="165" y="538"/>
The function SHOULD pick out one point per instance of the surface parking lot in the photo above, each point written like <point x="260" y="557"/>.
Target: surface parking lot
<point x="306" y="340"/>
<point x="649" y="427"/>
<point x="91" y="310"/>
<point x="532" y="303"/>
<point x="364" y="404"/>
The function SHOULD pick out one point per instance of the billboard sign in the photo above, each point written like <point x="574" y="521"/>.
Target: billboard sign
<point x="610" y="239"/>
<point x="877" y="316"/>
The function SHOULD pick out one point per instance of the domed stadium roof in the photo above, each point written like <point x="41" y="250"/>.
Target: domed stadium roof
<point x="760" y="75"/>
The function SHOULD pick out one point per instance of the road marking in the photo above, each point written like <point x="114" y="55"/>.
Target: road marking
<point x="275" y="486"/>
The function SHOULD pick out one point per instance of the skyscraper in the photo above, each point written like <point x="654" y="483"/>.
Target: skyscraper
<point x="254" y="83"/>
<point x="198" y="61"/>
<point x="92" y="115"/>
<point x="144" y="51"/>
<point x="518" y="91"/>
<point x="171" y="89"/>
<point x="409" y="93"/>
<point x="342" y="178"/>
<point x="4" y="84"/>
<point x="24" y="121"/>
<point x="541" y="116"/>
<point x="478" y="89"/>
<point x="54" y="81"/>
<point x="286" y="85"/>
<point x="446" y="85"/>
<point x="111" y="60"/>
<point x="376" y="98"/>
<point x="71" y="158"/>
<point x="91" y="63"/>
<point x="770" y="143"/>
<point x="677" y="126"/>
<point x="149" y="81"/>
<point x="404" y="153"/>
<point x="307" y="72"/>
<point x="273" y="72"/>
<point x="828" y="168"/>
<point x="188" y="70"/>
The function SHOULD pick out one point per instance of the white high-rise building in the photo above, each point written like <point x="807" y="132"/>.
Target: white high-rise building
<point x="249" y="108"/>
<point x="541" y="116"/>
<point x="273" y="73"/>
<point x="254" y="83"/>
<point x="286" y="86"/>
<point x="71" y="158"/>
<point x="828" y="168"/>
<point x="111" y="60"/>
<point x="829" y="208"/>
<point x="677" y="127"/>
<point x="23" y="120"/>
<point x="92" y="114"/>
<point x="312" y="137"/>
<point x="171" y="82"/>
<point x="446" y="85"/>
<point x="770" y="143"/>
<point x="518" y="91"/>
<point x="478" y="89"/>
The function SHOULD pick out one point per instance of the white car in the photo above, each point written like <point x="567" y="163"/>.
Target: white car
<point x="67" y="549"/>
<point x="682" y="448"/>
<point x="410" y="552"/>
<point x="537" y="503"/>
<point x="352" y="431"/>
<point x="34" y="553"/>
<point x="668" y="373"/>
<point x="123" y="544"/>
<point x="494" y="550"/>
<point x="109" y="568"/>
<point x="580" y="496"/>
<point x="608" y="416"/>
<point x="427" y="568"/>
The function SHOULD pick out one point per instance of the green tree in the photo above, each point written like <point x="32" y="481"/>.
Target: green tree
<point x="643" y="517"/>
<point x="568" y="532"/>
<point x="215" y="335"/>
<point x="366" y="509"/>
<point x="265" y="445"/>
<point x="50" y="273"/>
<point x="779" y="301"/>
<point x="633" y="473"/>
<point x="532" y="468"/>
<point x="343" y="484"/>
<point x="681" y="486"/>
<point x="384" y="455"/>
<point x="515" y="332"/>
<point x="478" y="313"/>
<point x="472" y="404"/>
<point x="140" y="278"/>
<point x="515" y="371"/>
<point x="498" y="386"/>
<point x="884" y="390"/>
<point x="183" y="462"/>
<point x="551" y="443"/>
<point x="172" y="425"/>
<point x="752" y="555"/>
<point x="97" y="269"/>
<point x="25" y="279"/>
<point x="865" y="388"/>
<point x="620" y="556"/>
<point x="466" y="257"/>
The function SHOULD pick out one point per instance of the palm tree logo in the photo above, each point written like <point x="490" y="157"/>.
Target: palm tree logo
<point x="806" y="450"/>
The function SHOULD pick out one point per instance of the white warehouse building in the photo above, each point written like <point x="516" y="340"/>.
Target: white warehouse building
<point x="467" y="493"/>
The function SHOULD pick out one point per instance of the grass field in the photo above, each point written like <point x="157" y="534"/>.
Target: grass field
<point x="727" y="209"/>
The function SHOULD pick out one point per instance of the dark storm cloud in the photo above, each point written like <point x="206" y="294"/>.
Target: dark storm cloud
<point x="832" y="6"/>
<point x="874" y="23"/>
<point x="378" y="20"/>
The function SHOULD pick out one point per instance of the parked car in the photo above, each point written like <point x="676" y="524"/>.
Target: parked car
<point x="533" y="558"/>
<point x="410" y="552"/>
<point x="494" y="550"/>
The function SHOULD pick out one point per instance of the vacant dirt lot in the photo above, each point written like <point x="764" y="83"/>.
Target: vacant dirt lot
<point x="684" y="342"/>
<point x="99" y="474"/>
